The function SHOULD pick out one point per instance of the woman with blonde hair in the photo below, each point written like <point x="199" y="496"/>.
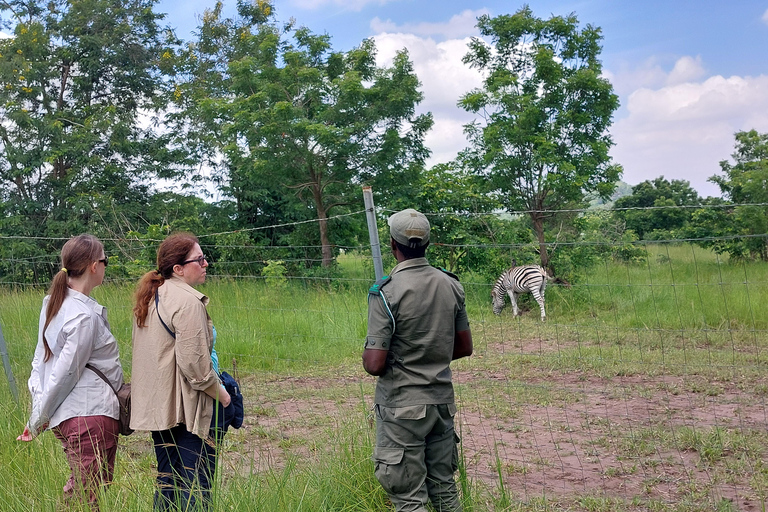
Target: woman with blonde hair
<point x="175" y="387"/>
<point x="67" y="396"/>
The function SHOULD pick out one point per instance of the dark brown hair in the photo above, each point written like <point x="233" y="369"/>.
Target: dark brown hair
<point x="172" y="251"/>
<point x="76" y="255"/>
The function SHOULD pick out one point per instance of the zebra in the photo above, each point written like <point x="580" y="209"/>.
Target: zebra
<point x="517" y="280"/>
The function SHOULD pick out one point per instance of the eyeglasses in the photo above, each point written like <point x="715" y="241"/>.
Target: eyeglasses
<point x="199" y="260"/>
<point x="105" y="261"/>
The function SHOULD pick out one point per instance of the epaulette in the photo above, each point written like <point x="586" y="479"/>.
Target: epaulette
<point x="374" y="289"/>
<point x="449" y="273"/>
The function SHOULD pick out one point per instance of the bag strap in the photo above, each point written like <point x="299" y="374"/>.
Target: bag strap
<point x="103" y="377"/>
<point x="157" y="309"/>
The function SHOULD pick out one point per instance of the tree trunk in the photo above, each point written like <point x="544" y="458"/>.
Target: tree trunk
<point x="538" y="228"/>
<point x="322" y="216"/>
<point x="324" y="241"/>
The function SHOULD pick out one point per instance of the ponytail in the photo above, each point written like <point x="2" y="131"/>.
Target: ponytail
<point x="172" y="251"/>
<point x="76" y="255"/>
<point x="148" y="285"/>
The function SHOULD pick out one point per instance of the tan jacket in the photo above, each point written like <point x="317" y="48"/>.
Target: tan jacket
<point x="169" y="375"/>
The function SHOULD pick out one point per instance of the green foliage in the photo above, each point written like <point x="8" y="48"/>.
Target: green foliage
<point x="596" y="237"/>
<point x="233" y="254"/>
<point x="73" y="81"/>
<point x="463" y="214"/>
<point x="544" y="141"/>
<point x="274" y="273"/>
<point x="739" y="231"/>
<point x="299" y="124"/>
<point x="78" y="80"/>
<point x="664" y="196"/>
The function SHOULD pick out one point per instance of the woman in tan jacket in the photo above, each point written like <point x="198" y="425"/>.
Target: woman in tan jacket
<point x="174" y="385"/>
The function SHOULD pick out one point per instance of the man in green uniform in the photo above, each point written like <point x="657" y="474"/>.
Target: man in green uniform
<point x="417" y="325"/>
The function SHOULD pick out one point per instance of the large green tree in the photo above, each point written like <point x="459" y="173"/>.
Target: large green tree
<point x="296" y="120"/>
<point x="545" y="109"/>
<point x="657" y="205"/>
<point x="739" y="225"/>
<point x="81" y="86"/>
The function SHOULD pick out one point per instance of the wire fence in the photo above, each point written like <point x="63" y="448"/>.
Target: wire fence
<point x="646" y="387"/>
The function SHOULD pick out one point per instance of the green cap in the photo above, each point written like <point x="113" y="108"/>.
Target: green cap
<point x="409" y="228"/>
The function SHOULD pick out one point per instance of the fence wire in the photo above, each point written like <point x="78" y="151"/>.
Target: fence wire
<point x="646" y="386"/>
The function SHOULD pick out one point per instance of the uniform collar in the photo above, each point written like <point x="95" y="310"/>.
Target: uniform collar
<point x="176" y="280"/>
<point x="411" y="263"/>
<point x="81" y="296"/>
<point x="87" y="300"/>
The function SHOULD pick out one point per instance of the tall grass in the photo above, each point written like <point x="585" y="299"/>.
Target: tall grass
<point x="681" y="312"/>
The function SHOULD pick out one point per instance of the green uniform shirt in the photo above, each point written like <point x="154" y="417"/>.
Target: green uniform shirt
<point x="415" y="314"/>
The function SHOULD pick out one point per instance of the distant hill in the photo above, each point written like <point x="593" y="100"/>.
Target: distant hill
<point x="622" y="189"/>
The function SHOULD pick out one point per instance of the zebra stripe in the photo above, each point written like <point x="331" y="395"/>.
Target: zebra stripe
<point x="517" y="280"/>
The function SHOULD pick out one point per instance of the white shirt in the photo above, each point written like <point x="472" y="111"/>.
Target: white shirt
<point x="63" y="387"/>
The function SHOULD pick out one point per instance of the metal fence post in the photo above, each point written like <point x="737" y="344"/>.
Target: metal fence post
<point x="373" y="232"/>
<point x="7" y="366"/>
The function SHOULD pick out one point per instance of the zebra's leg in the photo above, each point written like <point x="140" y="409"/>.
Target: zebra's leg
<point x="540" y="299"/>
<point x="513" y="299"/>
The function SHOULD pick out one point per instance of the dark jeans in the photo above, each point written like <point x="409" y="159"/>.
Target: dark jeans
<point x="185" y="470"/>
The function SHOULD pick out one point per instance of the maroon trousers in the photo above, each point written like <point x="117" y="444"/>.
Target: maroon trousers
<point x="90" y="444"/>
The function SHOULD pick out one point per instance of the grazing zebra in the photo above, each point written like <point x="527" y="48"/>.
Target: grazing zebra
<point x="517" y="280"/>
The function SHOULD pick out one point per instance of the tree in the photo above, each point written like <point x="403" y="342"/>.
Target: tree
<point x="293" y="117"/>
<point x="665" y="198"/>
<point x="742" y="227"/>
<point x="80" y="82"/>
<point x="464" y="215"/>
<point x="543" y="144"/>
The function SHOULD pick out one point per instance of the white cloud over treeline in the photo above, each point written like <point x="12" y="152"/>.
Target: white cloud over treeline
<point x="459" y="26"/>
<point x="683" y="130"/>
<point x="677" y="121"/>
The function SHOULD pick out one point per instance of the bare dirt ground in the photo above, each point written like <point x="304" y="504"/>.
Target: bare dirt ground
<point x="641" y="440"/>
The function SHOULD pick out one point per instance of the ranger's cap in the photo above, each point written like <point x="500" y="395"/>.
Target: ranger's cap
<point x="409" y="228"/>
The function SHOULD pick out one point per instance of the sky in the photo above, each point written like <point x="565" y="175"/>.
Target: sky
<point x="689" y="73"/>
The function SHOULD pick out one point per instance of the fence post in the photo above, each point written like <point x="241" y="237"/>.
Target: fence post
<point x="373" y="232"/>
<point x="7" y="366"/>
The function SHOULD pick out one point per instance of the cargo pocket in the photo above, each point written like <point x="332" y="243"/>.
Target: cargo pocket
<point x="455" y="458"/>
<point x="389" y="468"/>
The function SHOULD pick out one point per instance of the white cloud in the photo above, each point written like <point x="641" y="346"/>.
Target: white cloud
<point x="459" y="26"/>
<point x="350" y="5"/>
<point x="765" y="17"/>
<point x="650" y="73"/>
<point x="687" y="69"/>
<point x="3" y="35"/>
<point x="677" y="122"/>
<point x="445" y="78"/>
<point x="683" y="130"/>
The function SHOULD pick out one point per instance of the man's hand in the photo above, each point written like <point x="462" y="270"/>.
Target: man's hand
<point x="462" y="344"/>
<point x="375" y="361"/>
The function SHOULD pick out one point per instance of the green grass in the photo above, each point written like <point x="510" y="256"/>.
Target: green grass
<point x="680" y="333"/>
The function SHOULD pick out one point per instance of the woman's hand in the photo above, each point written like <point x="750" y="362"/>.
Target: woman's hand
<point x="224" y="397"/>
<point x="25" y="436"/>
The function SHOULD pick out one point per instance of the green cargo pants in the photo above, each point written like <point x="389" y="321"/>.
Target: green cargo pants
<point x="416" y="456"/>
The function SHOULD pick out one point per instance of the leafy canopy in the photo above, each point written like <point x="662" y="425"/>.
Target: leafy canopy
<point x="545" y="109"/>
<point x="294" y="118"/>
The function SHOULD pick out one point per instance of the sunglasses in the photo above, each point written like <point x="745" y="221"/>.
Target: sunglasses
<point x="199" y="260"/>
<point x="105" y="261"/>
